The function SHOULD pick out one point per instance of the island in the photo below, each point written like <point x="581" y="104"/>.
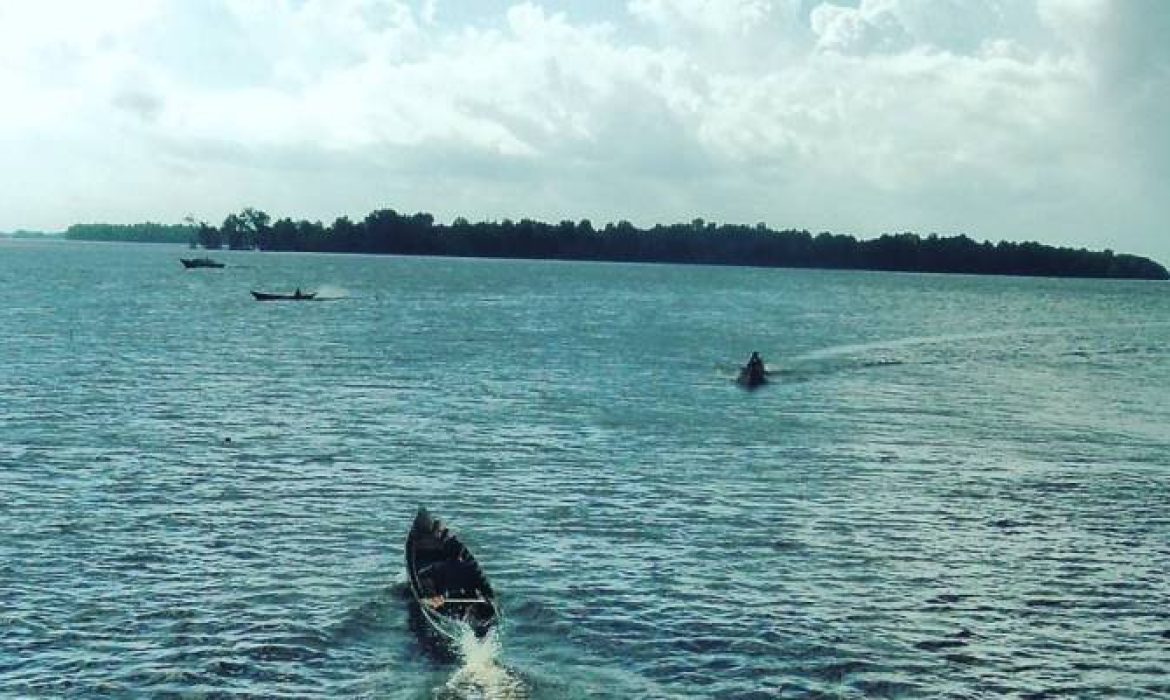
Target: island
<point x="386" y="231"/>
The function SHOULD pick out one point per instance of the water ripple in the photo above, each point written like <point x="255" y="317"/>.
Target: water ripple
<point x="956" y="488"/>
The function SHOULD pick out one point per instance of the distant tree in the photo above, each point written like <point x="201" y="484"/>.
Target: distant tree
<point x="257" y="230"/>
<point x="209" y="236"/>
<point x="283" y="235"/>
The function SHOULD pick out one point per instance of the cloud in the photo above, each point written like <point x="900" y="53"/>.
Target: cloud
<point x="952" y="26"/>
<point x="995" y="117"/>
<point x="724" y="17"/>
<point x="1123" y="48"/>
<point x="144" y="104"/>
<point x="862" y="30"/>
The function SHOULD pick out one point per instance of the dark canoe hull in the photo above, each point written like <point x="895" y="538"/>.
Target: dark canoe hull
<point x="264" y="296"/>
<point x="190" y="263"/>
<point x="433" y="567"/>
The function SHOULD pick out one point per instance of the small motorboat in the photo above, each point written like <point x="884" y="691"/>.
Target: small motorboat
<point x="190" y="263"/>
<point x="753" y="374"/>
<point x="451" y="591"/>
<point x="295" y="296"/>
<point x="751" y="379"/>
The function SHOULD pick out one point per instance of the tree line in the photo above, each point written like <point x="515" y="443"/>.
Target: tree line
<point x="148" y="232"/>
<point x="386" y="231"/>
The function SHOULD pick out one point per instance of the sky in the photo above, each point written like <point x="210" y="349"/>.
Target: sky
<point x="1019" y="120"/>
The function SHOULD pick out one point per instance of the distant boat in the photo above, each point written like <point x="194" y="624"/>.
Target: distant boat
<point x="295" y="296"/>
<point x="751" y="379"/>
<point x="753" y="373"/>
<point x="451" y="591"/>
<point x="199" y="262"/>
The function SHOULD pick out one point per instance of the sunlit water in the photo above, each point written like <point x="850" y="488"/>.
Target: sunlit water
<point x="955" y="487"/>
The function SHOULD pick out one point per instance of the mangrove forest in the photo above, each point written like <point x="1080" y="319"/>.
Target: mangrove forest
<point x="699" y="242"/>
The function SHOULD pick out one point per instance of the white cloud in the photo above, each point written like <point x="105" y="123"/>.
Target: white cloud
<point x="869" y="28"/>
<point x="952" y="26"/>
<point x="724" y="17"/>
<point x="978" y="116"/>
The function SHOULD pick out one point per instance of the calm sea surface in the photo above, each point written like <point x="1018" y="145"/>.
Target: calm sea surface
<point x="957" y="487"/>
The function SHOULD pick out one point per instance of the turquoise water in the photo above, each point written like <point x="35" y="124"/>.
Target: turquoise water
<point x="957" y="487"/>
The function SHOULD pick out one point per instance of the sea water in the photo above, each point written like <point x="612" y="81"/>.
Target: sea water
<point x="954" y="487"/>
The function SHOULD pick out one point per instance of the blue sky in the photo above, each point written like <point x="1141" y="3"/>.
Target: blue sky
<point x="1002" y="119"/>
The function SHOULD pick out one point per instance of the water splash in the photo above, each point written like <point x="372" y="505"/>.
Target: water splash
<point x="480" y="674"/>
<point x="329" y="292"/>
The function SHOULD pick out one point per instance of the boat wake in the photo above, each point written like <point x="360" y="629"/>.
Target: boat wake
<point x="480" y="674"/>
<point x="329" y="292"/>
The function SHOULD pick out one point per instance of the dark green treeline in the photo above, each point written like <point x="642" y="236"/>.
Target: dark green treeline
<point x="388" y="232"/>
<point x="132" y="233"/>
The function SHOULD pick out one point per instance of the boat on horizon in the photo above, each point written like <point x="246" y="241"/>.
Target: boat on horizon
<point x="190" y="263"/>
<point x="450" y="591"/>
<point x="298" y="295"/>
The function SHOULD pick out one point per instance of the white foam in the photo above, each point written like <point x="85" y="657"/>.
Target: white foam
<point x="330" y="291"/>
<point x="480" y="674"/>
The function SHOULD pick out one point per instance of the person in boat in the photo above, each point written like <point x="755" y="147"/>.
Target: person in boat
<point x="456" y="579"/>
<point x="297" y="294"/>
<point x="755" y="366"/>
<point x="439" y="600"/>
